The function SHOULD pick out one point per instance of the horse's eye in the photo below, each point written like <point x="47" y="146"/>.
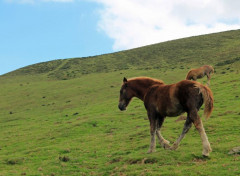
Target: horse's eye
<point x="121" y="91"/>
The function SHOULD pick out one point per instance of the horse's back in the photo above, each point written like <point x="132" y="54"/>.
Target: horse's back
<point x="188" y="94"/>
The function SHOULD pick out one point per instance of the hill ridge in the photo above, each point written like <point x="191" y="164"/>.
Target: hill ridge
<point x="214" y="48"/>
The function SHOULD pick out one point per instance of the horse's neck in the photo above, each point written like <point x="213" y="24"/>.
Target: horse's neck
<point x="141" y="87"/>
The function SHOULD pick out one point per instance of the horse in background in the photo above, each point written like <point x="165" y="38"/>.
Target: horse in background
<point x="161" y="100"/>
<point x="198" y="73"/>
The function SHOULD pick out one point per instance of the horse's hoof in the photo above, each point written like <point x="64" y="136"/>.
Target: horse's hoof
<point x="166" y="146"/>
<point x="166" y="142"/>
<point x="150" y="151"/>
<point x="210" y="149"/>
<point x="205" y="154"/>
<point x="174" y="147"/>
<point x="206" y="151"/>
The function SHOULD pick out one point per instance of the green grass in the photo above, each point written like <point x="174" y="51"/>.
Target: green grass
<point x="61" y="117"/>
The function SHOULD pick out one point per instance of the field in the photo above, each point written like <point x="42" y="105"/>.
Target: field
<point x="61" y="117"/>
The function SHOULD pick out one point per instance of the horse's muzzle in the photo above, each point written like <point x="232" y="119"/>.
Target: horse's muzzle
<point x="122" y="107"/>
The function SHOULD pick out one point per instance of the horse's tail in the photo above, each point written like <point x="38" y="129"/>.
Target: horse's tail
<point x="188" y="77"/>
<point x="207" y="99"/>
<point x="212" y="70"/>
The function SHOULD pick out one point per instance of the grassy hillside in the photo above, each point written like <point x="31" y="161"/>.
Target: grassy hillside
<point x="183" y="54"/>
<point x="61" y="117"/>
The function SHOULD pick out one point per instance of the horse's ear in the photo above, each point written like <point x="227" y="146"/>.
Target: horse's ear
<point x="124" y="80"/>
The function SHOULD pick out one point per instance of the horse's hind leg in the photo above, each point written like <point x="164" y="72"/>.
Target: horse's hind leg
<point x="163" y="142"/>
<point x="187" y="126"/>
<point x="206" y="145"/>
<point x="208" y="79"/>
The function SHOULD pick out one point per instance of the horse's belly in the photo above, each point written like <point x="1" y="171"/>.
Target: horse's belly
<point x="174" y="111"/>
<point x="174" y="114"/>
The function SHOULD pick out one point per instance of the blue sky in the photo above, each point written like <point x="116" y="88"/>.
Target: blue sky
<point x="33" y="31"/>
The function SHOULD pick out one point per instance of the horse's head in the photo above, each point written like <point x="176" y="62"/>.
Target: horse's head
<point x="126" y="95"/>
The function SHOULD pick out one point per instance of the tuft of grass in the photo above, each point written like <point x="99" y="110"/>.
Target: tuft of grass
<point x="64" y="158"/>
<point x="13" y="161"/>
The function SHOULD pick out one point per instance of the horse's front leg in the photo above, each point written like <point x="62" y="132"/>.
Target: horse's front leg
<point x="163" y="142"/>
<point x="153" y="128"/>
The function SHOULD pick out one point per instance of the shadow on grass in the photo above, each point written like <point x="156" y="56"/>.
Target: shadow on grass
<point x="200" y="158"/>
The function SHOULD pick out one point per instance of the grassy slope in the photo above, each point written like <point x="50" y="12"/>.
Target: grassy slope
<point x="67" y="109"/>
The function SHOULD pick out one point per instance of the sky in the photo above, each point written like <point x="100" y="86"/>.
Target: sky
<point x="33" y="31"/>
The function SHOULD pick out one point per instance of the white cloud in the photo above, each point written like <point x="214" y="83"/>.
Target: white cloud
<point x="134" y="23"/>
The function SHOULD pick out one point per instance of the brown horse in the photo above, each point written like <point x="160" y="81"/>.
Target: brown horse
<point x="162" y="100"/>
<point x="198" y="73"/>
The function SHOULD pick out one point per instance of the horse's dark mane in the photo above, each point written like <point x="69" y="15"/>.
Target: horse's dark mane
<point x="156" y="81"/>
